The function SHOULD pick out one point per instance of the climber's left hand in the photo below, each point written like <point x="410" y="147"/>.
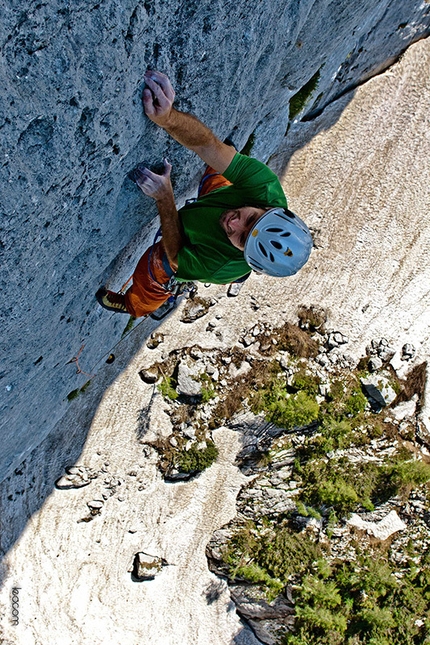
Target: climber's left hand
<point x="158" y="187"/>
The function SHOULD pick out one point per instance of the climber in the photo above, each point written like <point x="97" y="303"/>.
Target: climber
<point x="240" y="220"/>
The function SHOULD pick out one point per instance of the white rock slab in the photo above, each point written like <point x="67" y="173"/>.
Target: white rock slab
<point x="381" y="530"/>
<point x="404" y="410"/>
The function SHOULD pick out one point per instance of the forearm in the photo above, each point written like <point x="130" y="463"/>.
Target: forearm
<point x="171" y="228"/>
<point x="189" y="131"/>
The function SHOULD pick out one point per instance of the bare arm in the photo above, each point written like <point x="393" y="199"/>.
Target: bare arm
<point x="160" y="189"/>
<point x="185" y="128"/>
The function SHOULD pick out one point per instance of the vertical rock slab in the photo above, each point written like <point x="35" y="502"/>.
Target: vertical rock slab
<point x="72" y="128"/>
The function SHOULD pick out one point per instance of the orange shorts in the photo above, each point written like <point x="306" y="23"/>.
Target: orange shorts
<point x="146" y="293"/>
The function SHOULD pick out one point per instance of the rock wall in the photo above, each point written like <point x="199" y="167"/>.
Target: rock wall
<point x="74" y="575"/>
<point x="72" y="127"/>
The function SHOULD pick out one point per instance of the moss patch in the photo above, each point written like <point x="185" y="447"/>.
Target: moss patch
<point x="299" y="100"/>
<point x="129" y="326"/>
<point x="246" y="150"/>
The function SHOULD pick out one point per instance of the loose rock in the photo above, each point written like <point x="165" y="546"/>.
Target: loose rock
<point x="146" y="567"/>
<point x="408" y="352"/>
<point x="187" y="379"/>
<point x="155" y="340"/>
<point x="195" y="308"/>
<point x="148" y="376"/>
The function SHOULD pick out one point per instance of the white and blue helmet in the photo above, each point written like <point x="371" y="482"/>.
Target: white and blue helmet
<point x="279" y="244"/>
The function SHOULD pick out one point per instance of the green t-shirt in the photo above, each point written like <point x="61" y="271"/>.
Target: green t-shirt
<point x="208" y="255"/>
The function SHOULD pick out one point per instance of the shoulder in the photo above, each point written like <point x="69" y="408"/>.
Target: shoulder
<point x="243" y="166"/>
<point x="256" y="180"/>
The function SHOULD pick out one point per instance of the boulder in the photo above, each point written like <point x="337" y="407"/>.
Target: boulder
<point x="378" y="390"/>
<point x="189" y="383"/>
<point x="375" y="363"/>
<point x="145" y="566"/>
<point x="381" y="530"/>
<point x="156" y="339"/>
<point x="336" y="338"/>
<point x="265" y="619"/>
<point x="149" y="376"/>
<point x="405" y="410"/>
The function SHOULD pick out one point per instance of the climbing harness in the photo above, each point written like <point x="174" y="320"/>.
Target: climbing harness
<point x="202" y="181"/>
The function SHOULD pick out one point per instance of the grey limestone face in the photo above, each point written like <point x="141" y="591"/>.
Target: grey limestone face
<point x="72" y="127"/>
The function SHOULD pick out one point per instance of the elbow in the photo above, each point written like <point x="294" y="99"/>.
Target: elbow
<point x="172" y="258"/>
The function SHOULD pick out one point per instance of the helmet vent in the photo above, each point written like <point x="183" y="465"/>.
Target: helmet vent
<point x="288" y="252"/>
<point x="276" y="245"/>
<point x="290" y="214"/>
<point x="272" y="259"/>
<point x="286" y="234"/>
<point x="274" y="230"/>
<point x="262" y="249"/>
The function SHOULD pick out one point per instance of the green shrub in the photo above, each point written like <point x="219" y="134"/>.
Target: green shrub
<point x="307" y="382"/>
<point x="208" y="390"/>
<point x="307" y="511"/>
<point x="208" y="393"/>
<point x="337" y="494"/>
<point x="411" y="473"/>
<point x="341" y="484"/>
<point x="86" y="386"/>
<point x="345" y="398"/>
<point x="321" y="618"/>
<point x="287" y="410"/>
<point x="355" y="403"/>
<point x="283" y="552"/>
<point x="167" y="388"/>
<point x="354" y="602"/>
<point x="255" y="574"/>
<point x="279" y="552"/>
<point x="375" y="619"/>
<point x="75" y="393"/>
<point x="361" y="603"/>
<point x="195" y="460"/>
<point x="335" y="435"/>
<point x="301" y="509"/>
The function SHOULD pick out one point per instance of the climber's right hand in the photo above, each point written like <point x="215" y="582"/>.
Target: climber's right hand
<point x="158" y="97"/>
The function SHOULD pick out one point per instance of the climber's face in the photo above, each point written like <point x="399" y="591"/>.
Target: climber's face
<point x="238" y="222"/>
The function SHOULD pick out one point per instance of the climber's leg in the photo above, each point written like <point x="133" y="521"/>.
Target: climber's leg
<point x="147" y="293"/>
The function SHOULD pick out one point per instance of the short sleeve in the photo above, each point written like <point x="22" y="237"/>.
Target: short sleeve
<point x="254" y="178"/>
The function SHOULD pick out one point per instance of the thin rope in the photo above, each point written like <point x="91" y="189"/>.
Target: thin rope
<point x="75" y="359"/>
<point x="125" y="285"/>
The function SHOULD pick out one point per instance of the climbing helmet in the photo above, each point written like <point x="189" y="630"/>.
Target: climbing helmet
<point x="279" y="243"/>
